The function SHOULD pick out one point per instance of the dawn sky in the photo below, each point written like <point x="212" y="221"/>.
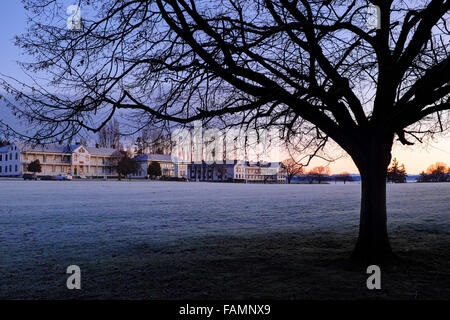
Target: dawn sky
<point x="415" y="158"/>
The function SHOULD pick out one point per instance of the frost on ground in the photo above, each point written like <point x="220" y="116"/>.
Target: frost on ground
<point x="171" y="240"/>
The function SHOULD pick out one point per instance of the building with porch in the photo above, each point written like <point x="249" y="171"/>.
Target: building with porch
<point x="58" y="159"/>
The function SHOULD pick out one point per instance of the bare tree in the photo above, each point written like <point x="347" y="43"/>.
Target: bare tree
<point x="153" y="140"/>
<point x="438" y="172"/>
<point x="319" y="174"/>
<point x="300" y="65"/>
<point x="291" y="168"/>
<point x="109" y="135"/>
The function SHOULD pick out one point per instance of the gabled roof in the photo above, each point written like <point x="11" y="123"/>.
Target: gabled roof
<point x="63" y="148"/>
<point x="53" y="147"/>
<point x="154" y="157"/>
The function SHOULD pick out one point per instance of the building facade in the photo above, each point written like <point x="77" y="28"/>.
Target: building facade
<point x="168" y="167"/>
<point x="236" y="171"/>
<point x="83" y="161"/>
<point x="10" y="161"/>
<point x="57" y="159"/>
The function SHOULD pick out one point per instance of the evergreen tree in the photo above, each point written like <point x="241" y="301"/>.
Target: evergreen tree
<point x="34" y="166"/>
<point x="396" y="173"/>
<point x="126" y="166"/>
<point x="154" y="169"/>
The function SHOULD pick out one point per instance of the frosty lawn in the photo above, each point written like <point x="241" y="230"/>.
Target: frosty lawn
<point x="171" y="240"/>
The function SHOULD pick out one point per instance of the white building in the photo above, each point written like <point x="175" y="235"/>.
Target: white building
<point x="10" y="161"/>
<point x="259" y="172"/>
<point x="236" y="171"/>
<point x="168" y="167"/>
<point x="76" y="160"/>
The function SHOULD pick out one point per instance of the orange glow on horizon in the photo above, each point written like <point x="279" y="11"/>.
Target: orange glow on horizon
<point x="417" y="158"/>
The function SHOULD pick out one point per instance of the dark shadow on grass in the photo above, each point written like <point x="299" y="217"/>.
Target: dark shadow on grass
<point x="303" y="265"/>
<point x="285" y="266"/>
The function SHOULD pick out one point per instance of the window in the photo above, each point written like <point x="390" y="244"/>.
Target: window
<point x="75" y="157"/>
<point x="1" y="157"/>
<point x="6" y="169"/>
<point x="1" y="169"/>
<point x="15" y="167"/>
<point x="17" y="156"/>
<point x="44" y="158"/>
<point x="6" y="157"/>
<point x="10" y="168"/>
<point x="53" y="169"/>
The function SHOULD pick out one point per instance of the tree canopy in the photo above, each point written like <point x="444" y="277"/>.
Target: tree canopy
<point x="126" y="166"/>
<point x="396" y="173"/>
<point x="286" y="60"/>
<point x="34" y="166"/>
<point x="437" y="172"/>
<point x="291" y="168"/>
<point x="154" y="169"/>
<point x="319" y="174"/>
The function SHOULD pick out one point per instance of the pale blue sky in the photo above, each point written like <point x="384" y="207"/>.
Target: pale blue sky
<point x="12" y="22"/>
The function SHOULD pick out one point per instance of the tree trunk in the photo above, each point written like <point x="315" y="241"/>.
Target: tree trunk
<point x="373" y="245"/>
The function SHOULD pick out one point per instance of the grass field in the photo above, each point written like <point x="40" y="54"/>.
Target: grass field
<point x="171" y="240"/>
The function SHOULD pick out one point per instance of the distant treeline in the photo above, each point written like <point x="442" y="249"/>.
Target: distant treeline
<point x="315" y="177"/>
<point x="396" y="173"/>
<point x="438" y="172"/>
